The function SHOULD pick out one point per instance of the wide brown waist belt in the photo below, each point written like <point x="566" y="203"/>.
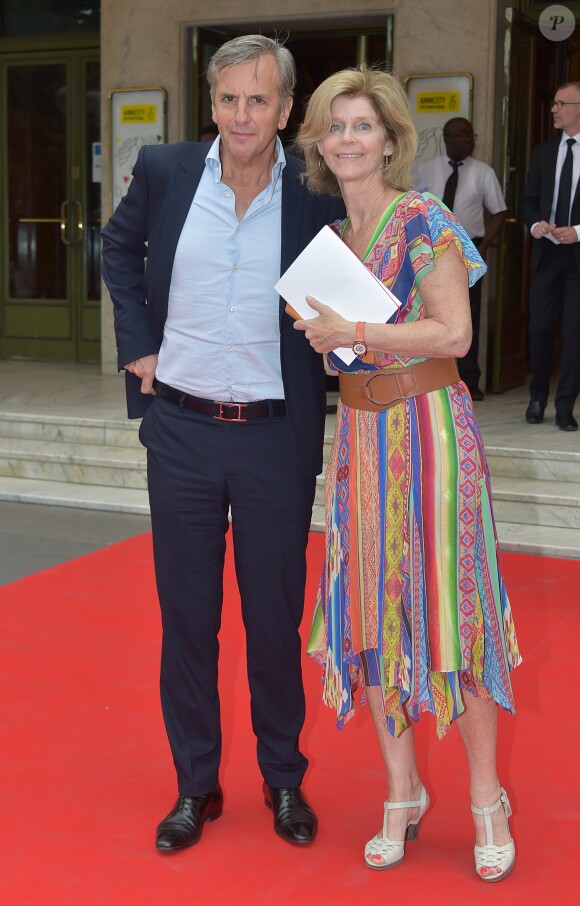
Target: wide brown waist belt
<point x="226" y="411"/>
<point x="377" y="390"/>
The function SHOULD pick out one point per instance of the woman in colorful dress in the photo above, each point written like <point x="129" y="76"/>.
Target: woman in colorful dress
<point x="412" y="606"/>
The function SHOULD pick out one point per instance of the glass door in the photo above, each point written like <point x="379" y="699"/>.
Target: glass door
<point x="50" y="214"/>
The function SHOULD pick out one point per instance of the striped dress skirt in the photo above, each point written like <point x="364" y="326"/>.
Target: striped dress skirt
<point x="411" y="596"/>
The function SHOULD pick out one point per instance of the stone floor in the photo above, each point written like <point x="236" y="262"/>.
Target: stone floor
<point x="82" y="391"/>
<point x="33" y="537"/>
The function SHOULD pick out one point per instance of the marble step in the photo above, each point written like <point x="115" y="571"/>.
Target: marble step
<point x="536" y="503"/>
<point x="528" y="539"/>
<point x="100" y="464"/>
<point x="83" y="496"/>
<point x="319" y="492"/>
<point x="73" y="430"/>
<point x="516" y="499"/>
<point x="522" y="502"/>
<point x="525" y="500"/>
<point x="77" y="463"/>
<point x="544" y="465"/>
<point x="94" y="497"/>
<point x="540" y="465"/>
<point x="539" y="540"/>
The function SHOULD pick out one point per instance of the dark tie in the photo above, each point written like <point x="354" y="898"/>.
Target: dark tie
<point x="562" y="215"/>
<point x="451" y="184"/>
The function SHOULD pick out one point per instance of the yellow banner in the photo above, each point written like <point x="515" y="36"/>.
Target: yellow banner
<point x="438" y="101"/>
<point x="138" y="113"/>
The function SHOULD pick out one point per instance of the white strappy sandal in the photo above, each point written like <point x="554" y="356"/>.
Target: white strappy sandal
<point x="490" y="856"/>
<point x="382" y="853"/>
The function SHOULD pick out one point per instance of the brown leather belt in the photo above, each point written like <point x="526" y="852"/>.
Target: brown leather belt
<point x="377" y="390"/>
<point x="226" y="411"/>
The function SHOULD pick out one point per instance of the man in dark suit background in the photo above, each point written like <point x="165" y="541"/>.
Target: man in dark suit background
<point x="551" y="209"/>
<point x="200" y="322"/>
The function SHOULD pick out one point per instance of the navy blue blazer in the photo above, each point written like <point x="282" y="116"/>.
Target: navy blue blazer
<point x="139" y="244"/>
<point x="539" y="193"/>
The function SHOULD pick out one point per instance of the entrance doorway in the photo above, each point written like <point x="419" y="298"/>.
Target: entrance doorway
<point x="533" y="68"/>
<point x="50" y="205"/>
<point x="319" y="49"/>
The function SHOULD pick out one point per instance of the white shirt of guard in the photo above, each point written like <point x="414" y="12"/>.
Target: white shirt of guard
<point x="477" y="189"/>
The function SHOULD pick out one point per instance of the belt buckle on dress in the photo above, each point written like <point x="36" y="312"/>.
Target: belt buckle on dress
<point x="397" y="396"/>
<point x="226" y="418"/>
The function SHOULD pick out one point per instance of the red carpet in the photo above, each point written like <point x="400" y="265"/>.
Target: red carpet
<point x="86" y="771"/>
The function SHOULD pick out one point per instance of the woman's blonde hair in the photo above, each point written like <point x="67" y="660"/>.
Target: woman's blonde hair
<point x="387" y="96"/>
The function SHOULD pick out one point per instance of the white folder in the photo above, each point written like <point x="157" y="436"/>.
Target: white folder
<point x="330" y="272"/>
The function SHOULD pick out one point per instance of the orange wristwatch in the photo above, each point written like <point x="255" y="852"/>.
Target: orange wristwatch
<point x="359" y="347"/>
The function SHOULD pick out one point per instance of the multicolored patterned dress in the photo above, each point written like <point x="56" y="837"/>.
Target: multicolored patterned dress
<point x="411" y="596"/>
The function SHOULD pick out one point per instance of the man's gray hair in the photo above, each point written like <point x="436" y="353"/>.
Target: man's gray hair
<point x="252" y="47"/>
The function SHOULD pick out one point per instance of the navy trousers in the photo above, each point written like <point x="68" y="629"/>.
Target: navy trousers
<point x="555" y="286"/>
<point x="199" y="467"/>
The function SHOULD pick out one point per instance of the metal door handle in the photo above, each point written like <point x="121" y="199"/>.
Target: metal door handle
<point x="38" y="220"/>
<point x="77" y="224"/>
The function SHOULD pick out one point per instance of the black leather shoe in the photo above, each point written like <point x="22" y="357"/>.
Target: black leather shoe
<point x="566" y="421"/>
<point x="294" y="820"/>
<point x="535" y="412"/>
<point x="182" y="827"/>
<point x="476" y="395"/>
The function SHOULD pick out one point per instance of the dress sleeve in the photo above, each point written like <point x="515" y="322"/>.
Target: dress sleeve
<point x="430" y="229"/>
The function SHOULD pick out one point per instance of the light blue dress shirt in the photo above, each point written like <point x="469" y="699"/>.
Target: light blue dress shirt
<point x="221" y="340"/>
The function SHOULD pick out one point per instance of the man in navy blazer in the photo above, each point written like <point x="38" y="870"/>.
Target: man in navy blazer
<point x="551" y="209"/>
<point x="233" y="406"/>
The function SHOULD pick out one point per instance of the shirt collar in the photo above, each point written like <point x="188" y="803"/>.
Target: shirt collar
<point x="214" y="163"/>
<point x="565" y="138"/>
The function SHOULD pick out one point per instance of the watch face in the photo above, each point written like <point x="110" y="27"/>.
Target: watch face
<point x="359" y="348"/>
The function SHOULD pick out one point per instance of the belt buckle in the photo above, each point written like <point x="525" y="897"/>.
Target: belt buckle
<point x="225" y="418"/>
<point x="397" y="397"/>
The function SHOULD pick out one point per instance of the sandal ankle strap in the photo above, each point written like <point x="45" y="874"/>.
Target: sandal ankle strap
<point x="488" y="810"/>
<point x="415" y="804"/>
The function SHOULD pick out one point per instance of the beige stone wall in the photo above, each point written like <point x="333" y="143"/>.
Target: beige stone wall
<point x="447" y="36"/>
<point x="144" y="44"/>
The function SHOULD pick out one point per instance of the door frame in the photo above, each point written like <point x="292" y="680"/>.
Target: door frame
<point x="212" y="34"/>
<point x="532" y="69"/>
<point x="75" y="53"/>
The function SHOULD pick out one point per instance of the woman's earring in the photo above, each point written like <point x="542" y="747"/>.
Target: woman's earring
<point x="320" y="163"/>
